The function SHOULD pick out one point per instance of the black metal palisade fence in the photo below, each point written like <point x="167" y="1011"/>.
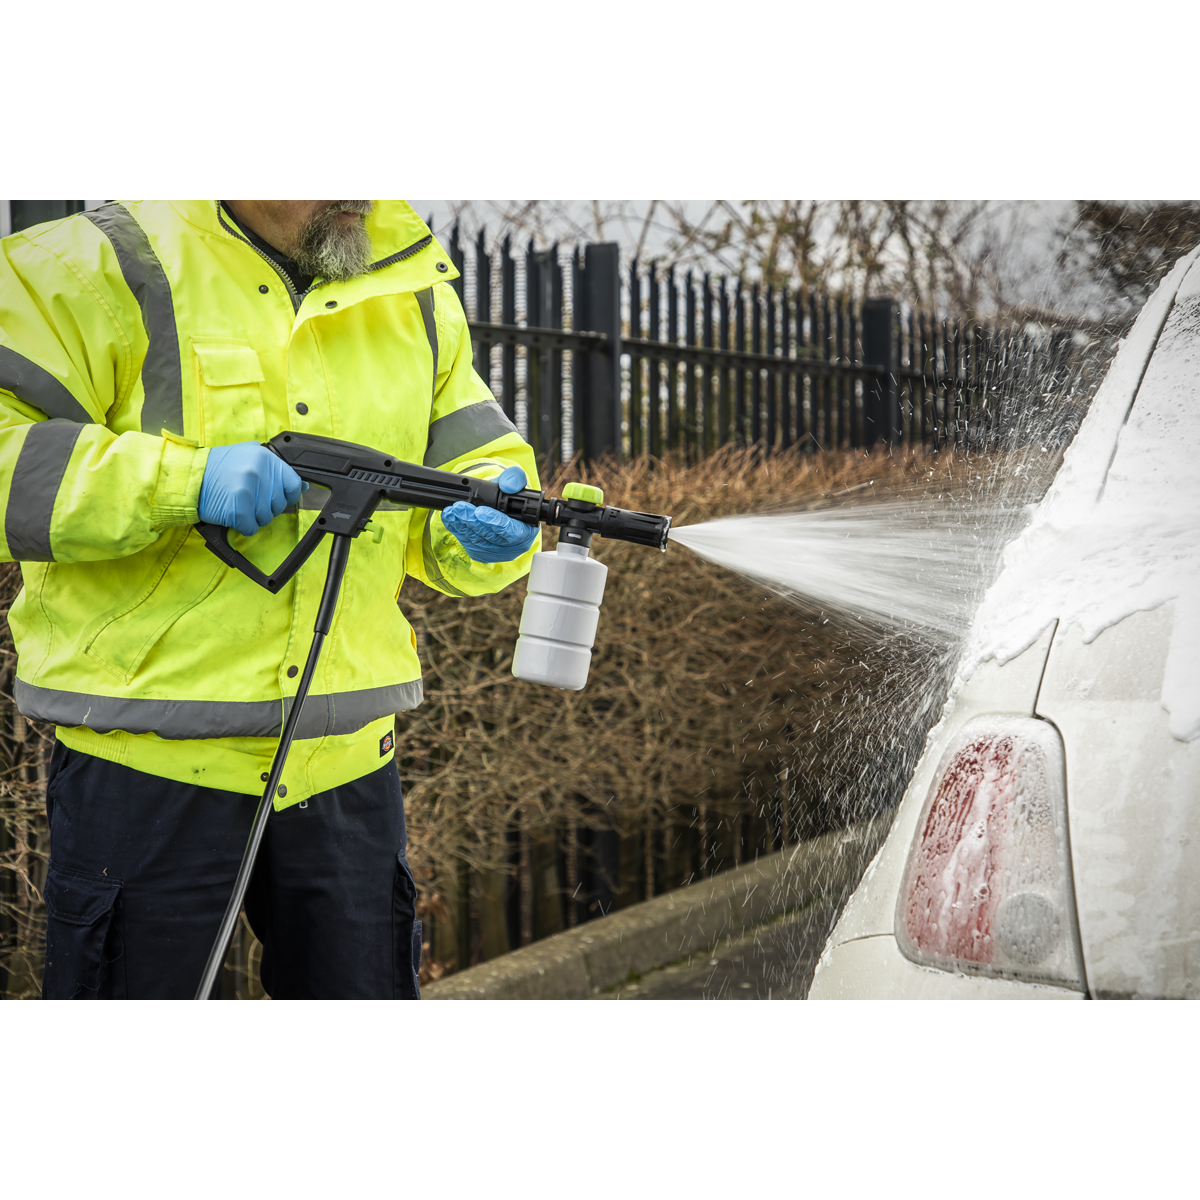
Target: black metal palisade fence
<point x="584" y="364"/>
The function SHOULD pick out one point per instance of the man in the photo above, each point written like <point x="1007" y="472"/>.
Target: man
<point x="146" y="352"/>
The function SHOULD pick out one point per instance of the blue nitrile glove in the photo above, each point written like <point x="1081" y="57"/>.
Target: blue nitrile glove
<point x="246" y="486"/>
<point x="489" y="536"/>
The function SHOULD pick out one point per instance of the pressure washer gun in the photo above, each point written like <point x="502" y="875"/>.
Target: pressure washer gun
<point x="562" y="603"/>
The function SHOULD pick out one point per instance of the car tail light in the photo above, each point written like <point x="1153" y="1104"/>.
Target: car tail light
<point x="987" y="889"/>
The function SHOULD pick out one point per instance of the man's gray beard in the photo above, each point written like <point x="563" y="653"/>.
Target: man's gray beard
<point x="327" y="249"/>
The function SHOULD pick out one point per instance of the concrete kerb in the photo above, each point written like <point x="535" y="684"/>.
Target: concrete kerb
<point x="582" y="962"/>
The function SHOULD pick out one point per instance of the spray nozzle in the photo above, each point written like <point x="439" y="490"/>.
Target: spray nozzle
<point x="581" y="514"/>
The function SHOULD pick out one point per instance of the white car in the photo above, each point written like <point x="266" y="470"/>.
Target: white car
<point x="1048" y="844"/>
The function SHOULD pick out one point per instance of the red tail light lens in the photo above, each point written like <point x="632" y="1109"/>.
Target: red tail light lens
<point x="987" y="889"/>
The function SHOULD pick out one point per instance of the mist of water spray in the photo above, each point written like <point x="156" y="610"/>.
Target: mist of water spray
<point x="902" y="579"/>
<point x="918" y="566"/>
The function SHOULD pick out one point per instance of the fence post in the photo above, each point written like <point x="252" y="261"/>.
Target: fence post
<point x="543" y="386"/>
<point x="881" y="403"/>
<point x="508" y="316"/>
<point x="458" y="260"/>
<point x="550" y="401"/>
<point x="483" y="304"/>
<point x="598" y="409"/>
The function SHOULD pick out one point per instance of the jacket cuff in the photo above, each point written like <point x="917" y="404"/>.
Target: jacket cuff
<point x="176" y="497"/>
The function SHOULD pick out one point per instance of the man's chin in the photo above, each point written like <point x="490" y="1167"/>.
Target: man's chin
<point x="335" y="246"/>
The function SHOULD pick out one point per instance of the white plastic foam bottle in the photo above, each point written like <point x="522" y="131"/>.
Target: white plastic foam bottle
<point x="562" y="608"/>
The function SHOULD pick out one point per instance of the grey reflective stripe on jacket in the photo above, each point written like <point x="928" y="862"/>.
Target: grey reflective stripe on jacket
<point x="460" y="432"/>
<point x="35" y="385"/>
<point x="465" y="430"/>
<point x="450" y="437"/>
<point x="186" y="720"/>
<point x="144" y="276"/>
<point x="425" y="301"/>
<point x="36" y="478"/>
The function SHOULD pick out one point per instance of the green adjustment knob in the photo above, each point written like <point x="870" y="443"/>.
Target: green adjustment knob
<point x="582" y="491"/>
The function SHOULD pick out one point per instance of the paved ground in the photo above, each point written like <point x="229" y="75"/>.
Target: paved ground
<point x="775" y="961"/>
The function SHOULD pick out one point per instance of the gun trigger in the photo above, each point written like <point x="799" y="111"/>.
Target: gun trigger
<point x="376" y="531"/>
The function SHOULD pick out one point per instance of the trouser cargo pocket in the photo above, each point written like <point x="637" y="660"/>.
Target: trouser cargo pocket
<point x="83" y="936"/>
<point x="406" y="935"/>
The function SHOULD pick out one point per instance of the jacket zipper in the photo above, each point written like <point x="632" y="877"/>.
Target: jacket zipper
<point x="297" y="298"/>
<point x="401" y="255"/>
<point x="291" y="287"/>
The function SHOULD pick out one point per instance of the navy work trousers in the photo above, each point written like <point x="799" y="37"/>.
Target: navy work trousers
<point x="141" y="869"/>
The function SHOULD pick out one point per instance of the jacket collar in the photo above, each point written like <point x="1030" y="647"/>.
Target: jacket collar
<point x="406" y="254"/>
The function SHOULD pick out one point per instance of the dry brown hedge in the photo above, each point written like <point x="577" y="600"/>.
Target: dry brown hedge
<point x="24" y="837"/>
<point x="716" y="716"/>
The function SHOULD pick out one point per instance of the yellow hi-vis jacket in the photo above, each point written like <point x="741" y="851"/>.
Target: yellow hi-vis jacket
<point x="132" y="338"/>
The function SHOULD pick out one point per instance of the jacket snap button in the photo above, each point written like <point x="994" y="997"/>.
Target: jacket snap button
<point x="443" y="268"/>
<point x="292" y="672"/>
<point x="264" y="777"/>
<point x="302" y="409"/>
<point x="331" y="304"/>
<point x="262" y="287"/>
<point x="283" y="789"/>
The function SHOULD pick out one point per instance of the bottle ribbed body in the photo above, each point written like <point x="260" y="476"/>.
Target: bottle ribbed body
<point x="558" y="622"/>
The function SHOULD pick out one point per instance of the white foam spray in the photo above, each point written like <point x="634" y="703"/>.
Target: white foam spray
<point x="919" y="566"/>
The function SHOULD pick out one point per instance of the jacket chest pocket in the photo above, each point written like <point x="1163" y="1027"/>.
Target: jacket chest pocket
<point x="230" y="380"/>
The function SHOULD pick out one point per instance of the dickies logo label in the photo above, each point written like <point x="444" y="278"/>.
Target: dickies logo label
<point x="385" y="744"/>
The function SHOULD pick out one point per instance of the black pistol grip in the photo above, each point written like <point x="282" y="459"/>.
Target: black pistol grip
<point x="217" y="539"/>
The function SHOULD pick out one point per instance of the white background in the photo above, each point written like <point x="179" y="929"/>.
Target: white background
<point x="577" y="1100"/>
